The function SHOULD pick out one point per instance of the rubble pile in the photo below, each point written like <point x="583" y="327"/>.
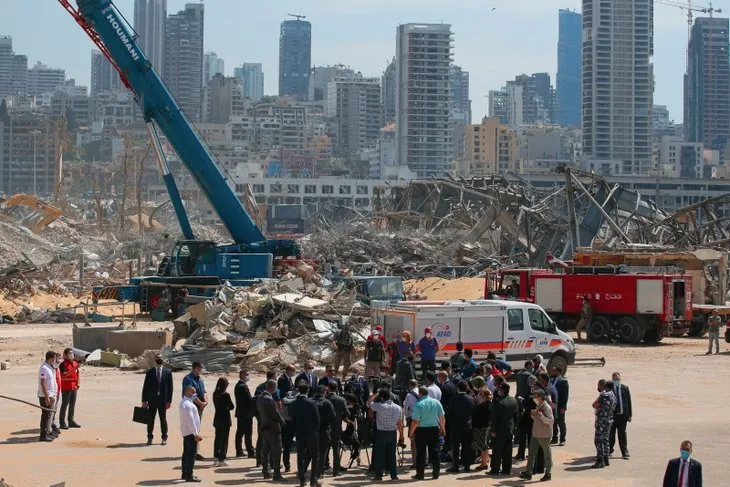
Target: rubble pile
<point x="270" y="324"/>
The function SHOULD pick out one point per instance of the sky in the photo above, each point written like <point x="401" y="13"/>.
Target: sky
<point x="494" y="40"/>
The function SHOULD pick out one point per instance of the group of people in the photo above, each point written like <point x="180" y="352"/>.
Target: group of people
<point x="58" y="382"/>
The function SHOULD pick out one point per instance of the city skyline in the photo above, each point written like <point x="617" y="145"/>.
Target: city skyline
<point x="363" y="37"/>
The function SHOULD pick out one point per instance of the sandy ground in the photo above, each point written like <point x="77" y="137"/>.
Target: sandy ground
<point x="436" y="288"/>
<point x="678" y="393"/>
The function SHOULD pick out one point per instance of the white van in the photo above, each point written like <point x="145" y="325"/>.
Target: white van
<point x="515" y="331"/>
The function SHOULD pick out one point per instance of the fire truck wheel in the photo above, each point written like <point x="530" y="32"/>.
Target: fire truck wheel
<point x="698" y="328"/>
<point x="629" y="330"/>
<point x="598" y="329"/>
<point x="652" y="336"/>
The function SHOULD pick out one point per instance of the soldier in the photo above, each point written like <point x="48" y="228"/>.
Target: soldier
<point x="586" y="313"/>
<point x="604" y="406"/>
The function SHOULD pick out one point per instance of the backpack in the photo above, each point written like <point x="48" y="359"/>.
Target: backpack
<point x="288" y="400"/>
<point x="375" y="350"/>
<point x="344" y="341"/>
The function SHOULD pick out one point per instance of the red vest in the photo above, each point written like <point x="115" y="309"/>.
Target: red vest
<point x="69" y="375"/>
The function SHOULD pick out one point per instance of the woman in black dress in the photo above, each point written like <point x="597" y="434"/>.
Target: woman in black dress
<point x="480" y="420"/>
<point x="221" y="422"/>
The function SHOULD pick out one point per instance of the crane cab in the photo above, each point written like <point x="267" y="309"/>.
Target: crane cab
<point x="205" y="258"/>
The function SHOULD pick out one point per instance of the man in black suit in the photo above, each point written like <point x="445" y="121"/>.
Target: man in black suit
<point x="621" y="415"/>
<point x="331" y="379"/>
<point x="309" y="377"/>
<point x="305" y="417"/>
<point x="458" y="423"/>
<point x="561" y="385"/>
<point x="285" y="383"/>
<point x="271" y="423"/>
<point x="448" y="392"/>
<point x="157" y="396"/>
<point x="244" y="415"/>
<point x="683" y="470"/>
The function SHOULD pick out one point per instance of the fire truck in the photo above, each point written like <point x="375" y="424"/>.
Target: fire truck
<point x="628" y="307"/>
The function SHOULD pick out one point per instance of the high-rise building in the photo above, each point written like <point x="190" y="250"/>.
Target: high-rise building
<point x="320" y="77"/>
<point x="103" y="75"/>
<point x="387" y="86"/>
<point x="460" y="102"/>
<point x="491" y="148"/>
<point x="567" y="83"/>
<point x="353" y="105"/>
<point x="528" y="99"/>
<point x="212" y="65"/>
<point x="19" y="74"/>
<point x="423" y="99"/>
<point x="618" y="85"/>
<point x="223" y="99"/>
<point x="42" y="79"/>
<point x="295" y="58"/>
<point x="6" y="64"/>
<point x="150" y="18"/>
<point x="707" y="84"/>
<point x="252" y="80"/>
<point x="184" y="58"/>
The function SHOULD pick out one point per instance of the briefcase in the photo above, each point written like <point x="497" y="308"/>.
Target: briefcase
<point x="142" y="415"/>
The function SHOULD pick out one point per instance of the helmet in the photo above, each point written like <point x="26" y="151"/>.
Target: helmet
<point x="427" y="330"/>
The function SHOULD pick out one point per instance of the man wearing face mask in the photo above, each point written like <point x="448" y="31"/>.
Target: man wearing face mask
<point x="504" y="410"/>
<point x="56" y="368"/>
<point x="69" y="386"/>
<point x="542" y="431"/>
<point x="683" y="471"/>
<point x="190" y="431"/>
<point x="621" y="416"/>
<point x="244" y="415"/>
<point x="309" y="377"/>
<point x="374" y="354"/>
<point x="157" y="397"/>
<point x="428" y="346"/>
<point x="47" y="391"/>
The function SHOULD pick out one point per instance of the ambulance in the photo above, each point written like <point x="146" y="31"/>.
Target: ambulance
<point x="515" y="331"/>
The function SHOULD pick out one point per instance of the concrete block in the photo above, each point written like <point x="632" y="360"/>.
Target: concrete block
<point x="91" y="337"/>
<point x="135" y="342"/>
<point x="111" y="358"/>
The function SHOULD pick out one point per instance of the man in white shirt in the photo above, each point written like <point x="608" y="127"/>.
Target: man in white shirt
<point x="190" y="430"/>
<point x="47" y="395"/>
<point x="434" y="392"/>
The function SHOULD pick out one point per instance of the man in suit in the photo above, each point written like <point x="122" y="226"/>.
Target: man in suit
<point x="561" y="385"/>
<point x="448" y="392"/>
<point x="305" y="417"/>
<point x="309" y="377"/>
<point x="331" y="379"/>
<point x="157" y="397"/>
<point x="271" y="423"/>
<point x="244" y="415"/>
<point x="458" y="425"/>
<point x="683" y="471"/>
<point x="341" y="414"/>
<point x="285" y="384"/>
<point x="621" y="416"/>
<point x="504" y="410"/>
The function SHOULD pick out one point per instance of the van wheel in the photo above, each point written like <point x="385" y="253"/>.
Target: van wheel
<point x="558" y="360"/>
<point x="598" y="329"/>
<point x="629" y="330"/>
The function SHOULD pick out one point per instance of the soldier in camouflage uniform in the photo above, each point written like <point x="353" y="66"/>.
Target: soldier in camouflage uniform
<point x="604" y="406"/>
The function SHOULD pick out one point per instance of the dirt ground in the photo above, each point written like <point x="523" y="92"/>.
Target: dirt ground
<point x="677" y="391"/>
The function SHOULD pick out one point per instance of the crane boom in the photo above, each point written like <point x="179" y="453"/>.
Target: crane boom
<point x="105" y="24"/>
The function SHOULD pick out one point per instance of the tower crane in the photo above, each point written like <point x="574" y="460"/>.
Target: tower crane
<point x="690" y="8"/>
<point x="297" y="16"/>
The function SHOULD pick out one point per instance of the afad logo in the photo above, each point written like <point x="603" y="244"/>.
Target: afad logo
<point x="441" y="330"/>
<point x="543" y="342"/>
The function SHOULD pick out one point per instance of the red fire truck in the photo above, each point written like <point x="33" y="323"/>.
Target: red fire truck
<point x="629" y="307"/>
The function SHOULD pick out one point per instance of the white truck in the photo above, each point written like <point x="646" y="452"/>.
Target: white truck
<point x="515" y="331"/>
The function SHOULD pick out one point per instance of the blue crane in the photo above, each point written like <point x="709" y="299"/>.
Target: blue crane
<point x="192" y="262"/>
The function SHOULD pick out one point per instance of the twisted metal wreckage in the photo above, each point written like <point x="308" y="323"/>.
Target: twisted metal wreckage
<point x="518" y="223"/>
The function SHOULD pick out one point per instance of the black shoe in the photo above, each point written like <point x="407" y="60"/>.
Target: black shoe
<point x="251" y="453"/>
<point x="336" y="473"/>
<point x="452" y="470"/>
<point x="599" y="463"/>
<point x="554" y="441"/>
<point x="435" y="476"/>
<point x="562" y="443"/>
<point x="200" y="457"/>
<point x="493" y="472"/>
<point x="193" y="479"/>
<point x="605" y="460"/>
<point x="342" y="470"/>
<point x="546" y="478"/>
<point x="46" y="438"/>
<point x="240" y="454"/>
<point x="287" y="468"/>
<point x="64" y="426"/>
<point x="163" y="442"/>
<point x="394" y="478"/>
<point x="277" y="478"/>
<point x="418" y="477"/>
<point x="378" y="478"/>
<point x="73" y="424"/>
<point x="149" y="441"/>
<point x="316" y="483"/>
<point x="467" y="469"/>
<point x="625" y="455"/>
<point x="267" y="475"/>
<point x="302" y="483"/>
<point x="611" y="452"/>
<point x="525" y="475"/>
